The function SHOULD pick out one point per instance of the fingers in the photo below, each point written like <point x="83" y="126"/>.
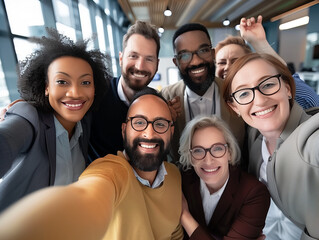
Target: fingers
<point x="248" y="22"/>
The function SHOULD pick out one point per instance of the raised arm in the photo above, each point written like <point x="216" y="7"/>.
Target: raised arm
<point x="253" y="32"/>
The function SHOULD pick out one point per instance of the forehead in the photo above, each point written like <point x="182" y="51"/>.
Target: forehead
<point x="191" y="40"/>
<point x="254" y="71"/>
<point x="208" y="135"/>
<point x="142" y="45"/>
<point x="231" y="50"/>
<point x="69" y="64"/>
<point x="151" y="107"/>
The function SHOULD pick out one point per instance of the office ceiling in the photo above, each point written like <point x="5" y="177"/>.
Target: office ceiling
<point x="210" y="13"/>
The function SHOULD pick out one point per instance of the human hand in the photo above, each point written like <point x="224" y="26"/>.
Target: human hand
<point x="4" y="110"/>
<point x="175" y="107"/>
<point x="252" y="30"/>
<point x="261" y="237"/>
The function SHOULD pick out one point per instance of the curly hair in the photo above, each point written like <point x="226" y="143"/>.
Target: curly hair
<point x="32" y="71"/>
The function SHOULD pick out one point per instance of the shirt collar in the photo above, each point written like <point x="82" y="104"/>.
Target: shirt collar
<point x="60" y="130"/>
<point x="205" y="190"/>
<point x="120" y="92"/>
<point x="192" y="96"/>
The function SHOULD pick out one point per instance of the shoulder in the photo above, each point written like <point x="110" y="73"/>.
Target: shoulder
<point x="247" y="184"/>
<point x="173" y="90"/>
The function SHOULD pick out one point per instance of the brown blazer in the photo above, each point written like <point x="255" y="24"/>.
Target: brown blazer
<point x="235" y="123"/>
<point x="240" y="212"/>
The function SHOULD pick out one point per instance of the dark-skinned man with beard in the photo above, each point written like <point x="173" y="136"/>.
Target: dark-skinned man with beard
<point x="135" y="194"/>
<point x="199" y="90"/>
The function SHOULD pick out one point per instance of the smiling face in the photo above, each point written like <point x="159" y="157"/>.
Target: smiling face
<point x="198" y="74"/>
<point x="70" y="89"/>
<point x="213" y="171"/>
<point x="225" y="57"/>
<point x="268" y="114"/>
<point x="139" y="61"/>
<point x="147" y="149"/>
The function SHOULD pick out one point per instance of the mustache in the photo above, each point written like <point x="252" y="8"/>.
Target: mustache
<point x="134" y="70"/>
<point x="197" y="66"/>
<point x="153" y="140"/>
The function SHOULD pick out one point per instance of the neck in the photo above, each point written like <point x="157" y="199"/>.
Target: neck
<point x="149" y="176"/>
<point x="129" y="92"/>
<point x="271" y="144"/>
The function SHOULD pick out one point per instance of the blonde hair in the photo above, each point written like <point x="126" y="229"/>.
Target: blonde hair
<point x="201" y="122"/>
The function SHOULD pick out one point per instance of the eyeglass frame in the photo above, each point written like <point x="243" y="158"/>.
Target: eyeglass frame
<point x="192" y="54"/>
<point x="170" y="123"/>
<point x="209" y="150"/>
<point x="277" y="76"/>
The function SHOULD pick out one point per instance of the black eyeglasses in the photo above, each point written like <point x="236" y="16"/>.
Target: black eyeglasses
<point x="216" y="150"/>
<point x="269" y="86"/>
<point x="159" y="125"/>
<point x="203" y="53"/>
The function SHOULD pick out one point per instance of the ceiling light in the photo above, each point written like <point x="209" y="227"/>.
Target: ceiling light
<point x="237" y="27"/>
<point x="294" y="23"/>
<point x="161" y="30"/>
<point x="226" y="22"/>
<point x="167" y="12"/>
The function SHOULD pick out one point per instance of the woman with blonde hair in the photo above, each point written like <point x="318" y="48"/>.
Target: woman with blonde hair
<point x="220" y="200"/>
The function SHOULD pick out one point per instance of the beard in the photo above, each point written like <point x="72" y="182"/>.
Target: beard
<point x="145" y="162"/>
<point x="202" y="87"/>
<point x="130" y="83"/>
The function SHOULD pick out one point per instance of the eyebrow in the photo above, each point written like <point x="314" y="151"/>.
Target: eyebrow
<point x="83" y="75"/>
<point x="200" y="46"/>
<point x="149" y="56"/>
<point x="259" y="80"/>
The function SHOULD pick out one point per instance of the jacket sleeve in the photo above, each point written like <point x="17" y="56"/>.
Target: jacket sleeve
<point x="16" y="137"/>
<point x="251" y="218"/>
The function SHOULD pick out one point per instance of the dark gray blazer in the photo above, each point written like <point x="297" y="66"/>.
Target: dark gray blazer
<point x="28" y="151"/>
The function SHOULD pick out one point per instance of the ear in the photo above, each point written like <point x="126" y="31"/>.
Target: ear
<point x="288" y="89"/>
<point x="46" y="91"/>
<point x="213" y="53"/>
<point x="123" y="129"/>
<point x="175" y="61"/>
<point x="120" y="58"/>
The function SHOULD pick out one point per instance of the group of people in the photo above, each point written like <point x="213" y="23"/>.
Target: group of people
<point x="125" y="141"/>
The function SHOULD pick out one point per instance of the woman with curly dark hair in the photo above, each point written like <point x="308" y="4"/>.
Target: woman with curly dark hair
<point x="44" y="139"/>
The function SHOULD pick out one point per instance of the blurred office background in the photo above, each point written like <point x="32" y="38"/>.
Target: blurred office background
<point x="108" y="21"/>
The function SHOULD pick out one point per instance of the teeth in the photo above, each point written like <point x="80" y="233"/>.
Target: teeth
<point x="73" y="105"/>
<point x="148" y="146"/>
<point x="139" y="75"/>
<point x="211" y="170"/>
<point x="265" y="111"/>
<point x="198" y="71"/>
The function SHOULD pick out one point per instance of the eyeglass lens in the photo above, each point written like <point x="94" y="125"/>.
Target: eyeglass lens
<point x="203" y="52"/>
<point x="159" y="125"/>
<point x="216" y="150"/>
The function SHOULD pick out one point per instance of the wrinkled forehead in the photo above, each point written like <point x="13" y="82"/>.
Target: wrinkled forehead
<point x="151" y="107"/>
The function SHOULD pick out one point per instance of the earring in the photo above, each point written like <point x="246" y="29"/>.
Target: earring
<point x="238" y="114"/>
<point x="289" y="97"/>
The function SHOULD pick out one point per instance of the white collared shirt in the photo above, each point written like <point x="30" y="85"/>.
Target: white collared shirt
<point x="210" y="201"/>
<point x="277" y="225"/>
<point x="121" y="94"/>
<point x="202" y="105"/>
<point x="160" y="176"/>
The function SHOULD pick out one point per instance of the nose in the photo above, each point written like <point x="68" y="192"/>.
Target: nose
<point x="139" y="64"/>
<point x="149" y="132"/>
<point x="73" y="91"/>
<point x="208" y="158"/>
<point x="227" y="66"/>
<point x="259" y="98"/>
<point x="196" y="60"/>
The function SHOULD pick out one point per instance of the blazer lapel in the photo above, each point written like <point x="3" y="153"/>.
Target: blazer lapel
<point x="50" y="142"/>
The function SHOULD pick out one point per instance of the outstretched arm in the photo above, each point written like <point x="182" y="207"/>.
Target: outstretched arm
<point x="78" y="211"/>
<point x="253" y="32"/>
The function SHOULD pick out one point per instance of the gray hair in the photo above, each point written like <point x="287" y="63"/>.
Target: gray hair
<point x="200" y="122"/>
